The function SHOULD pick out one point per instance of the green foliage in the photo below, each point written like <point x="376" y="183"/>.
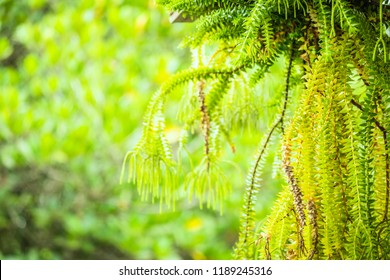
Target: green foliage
<point x="332" y="118"/>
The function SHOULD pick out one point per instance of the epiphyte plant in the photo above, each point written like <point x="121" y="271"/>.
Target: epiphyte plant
<point x="332" y="122"/>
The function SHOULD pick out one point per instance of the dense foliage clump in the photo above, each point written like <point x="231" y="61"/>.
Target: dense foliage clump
<point x="332" y="122"/>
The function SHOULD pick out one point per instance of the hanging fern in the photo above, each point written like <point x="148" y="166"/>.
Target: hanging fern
<point x="334" y="130"/>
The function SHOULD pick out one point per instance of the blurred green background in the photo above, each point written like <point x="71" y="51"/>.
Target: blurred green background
<point x="75" y="79"/>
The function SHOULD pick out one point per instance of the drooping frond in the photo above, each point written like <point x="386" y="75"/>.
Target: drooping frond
<point x="244" y="249"/>
<point x="151" y="165"/>
<point x="208" y="184"/>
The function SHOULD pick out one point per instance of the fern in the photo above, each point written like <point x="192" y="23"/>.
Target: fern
<point x="334" y="127"/>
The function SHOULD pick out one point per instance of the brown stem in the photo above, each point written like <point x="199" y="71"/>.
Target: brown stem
<point x="205" y="120"/>
<point x="356" y="104"/>
<point x="249" y="204"/>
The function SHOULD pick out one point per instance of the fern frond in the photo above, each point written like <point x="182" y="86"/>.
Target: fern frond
<point x="279" y="229"/>
<point x="196" y="75"/>
<point x="332" y="194"/>
<point x="324" y="25"/>
<point x="259" y="32"/>
<point x="345" y="15"/>
<point x="208" y="184"/>
<point x="228" y="20"/>
<point x="246" y="238"/>
<point x="151" y="166"/>
<point x="217" y="92"/>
